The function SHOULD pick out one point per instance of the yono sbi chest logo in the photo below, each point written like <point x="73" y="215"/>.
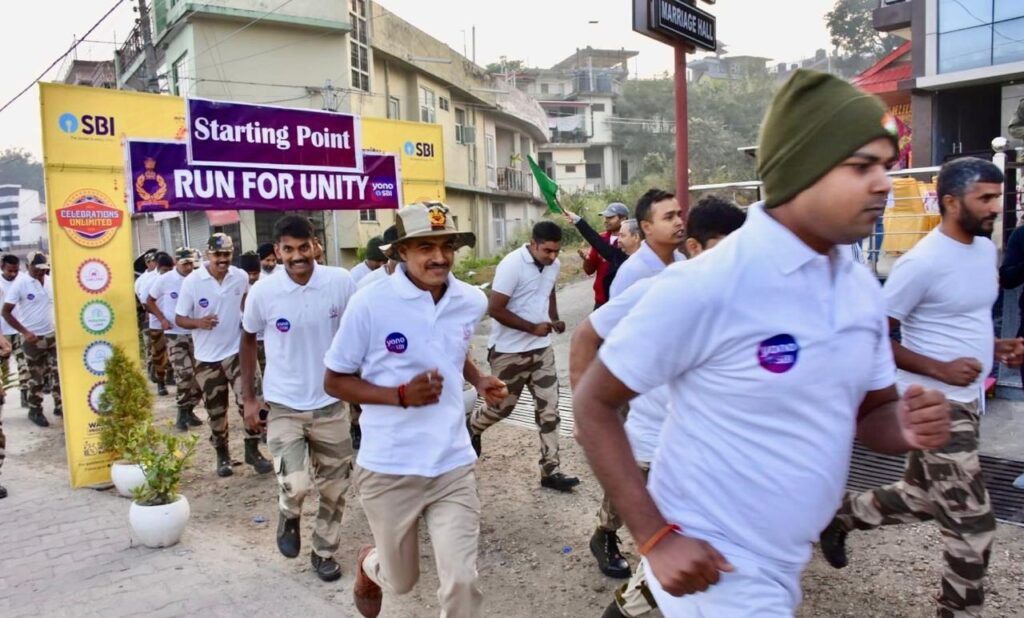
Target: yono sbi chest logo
<point x="283" y="325"/>
<point x="31" y="297"/>
<point x="778" y="354"/>
<point x="396" y="342"/>
<point x="204" y="303"/>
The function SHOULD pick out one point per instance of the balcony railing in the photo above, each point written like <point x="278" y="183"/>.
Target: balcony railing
<point x="517" y="181"/>
<point x="131" y="50"/>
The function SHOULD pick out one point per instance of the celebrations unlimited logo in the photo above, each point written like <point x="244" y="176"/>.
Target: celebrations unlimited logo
<point x="89" y="218"/>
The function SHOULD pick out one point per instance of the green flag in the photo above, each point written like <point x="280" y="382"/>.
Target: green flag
<point x="548" y="188"/>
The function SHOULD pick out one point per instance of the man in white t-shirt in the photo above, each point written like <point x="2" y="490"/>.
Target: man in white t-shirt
<point x="524" y="313"/>
<point x="375" y="258"/>
<point x="210" y="305"/>
<point x="775" y="351"/>
<point x="409" y="336"/>
<point x="162" y="301"/>
<point x="387" y="268"/>
<point x="298" y="312"/>
<point x="707" y="223"/>
<point x="158" y="360"/>
<point x="663" y="233"/>
<point x="940" y="295"/>
<point x="141" y="281"/>
<point x="10" y="269"/>
<point x="33" y="297"/>
<point x="267" y="259"/>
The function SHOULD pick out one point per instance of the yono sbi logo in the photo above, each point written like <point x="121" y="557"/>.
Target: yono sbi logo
<point x="283" y="325"/>
<point x="396" y="342"/>
<point x="778" y="354"/>
<point x="204" y="303"/>
<point x="90" y="124"/>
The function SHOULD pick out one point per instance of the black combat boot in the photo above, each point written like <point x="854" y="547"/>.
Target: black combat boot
<point x="254" y="458"/>
<point x="191" y="417"/>
<point x="289" y="540"/>
<point x="36" y="416"/>
<point x="605" y="547"/>
<point x="161" y="389"/>
<point x="182" y="423"/>
<point x="224" y="461"/>
<point x="559" y="482"/>
<point x="326" y="568"/>
<point x="833" y="544"/>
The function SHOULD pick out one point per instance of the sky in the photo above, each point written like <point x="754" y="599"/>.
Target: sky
<point x="541" y="32"/>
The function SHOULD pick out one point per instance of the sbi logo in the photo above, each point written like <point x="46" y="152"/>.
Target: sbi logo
<point x="89" y="124"/>
<point x="419" y="149"/>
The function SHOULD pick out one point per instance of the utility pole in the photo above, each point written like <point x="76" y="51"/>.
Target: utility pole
<point x="151" y="80"/>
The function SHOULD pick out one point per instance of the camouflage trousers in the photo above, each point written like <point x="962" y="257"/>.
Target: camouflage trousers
<point x="634" y="598"/>
<point x="158" y="354"/>
<point x="41" y="358"/>
<point x="944" y="485"/>
<point x="312" y="449"/>
<point x="19" y="359"/>
<point x="3" y="438"/>
<point x="183" y="362"/>
<point x="534" y="370"/>
<point x="607" y="517"/>
<point x="215" y="379"/>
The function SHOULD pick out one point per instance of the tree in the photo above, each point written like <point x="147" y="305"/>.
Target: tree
<point x="504" y="66"/>
<point x="19" y="167"/>
<point x="853" y="33"/>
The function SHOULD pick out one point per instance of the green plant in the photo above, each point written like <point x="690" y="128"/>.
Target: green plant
<point x="163" y="458"/>
<point x="125" y="404"/>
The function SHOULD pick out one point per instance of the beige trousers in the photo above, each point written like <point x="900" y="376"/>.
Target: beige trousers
<point x="450" y="506"/>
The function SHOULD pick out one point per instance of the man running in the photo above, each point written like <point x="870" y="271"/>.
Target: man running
<point x="298" y="312"/>
<point x="775" y="350"/>
<point x="940" y="296"/>
<point x="10" y="269"/>
<point x="155" y="333"/>
<point x="663" y="233"/>
<point x="267" y="260"/>
<point x="375" y="258"/>
<point x="410" y="334"/>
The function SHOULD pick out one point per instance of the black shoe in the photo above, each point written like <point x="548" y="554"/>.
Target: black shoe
<point x="605" y="547"/>
<point x="182" y="423"/>
<point x="3" y="492"/>
<point x="326" y="568"/>
<point x="613" y="611"/>
<point x="357" y="436"/>
<point x="833" y="545"/>
<point x="254" y="458"/>
<point x="169" y="380"/>
<point x="224" y="462"/>
<point x="161" y="390"/>
<point x="288" y="539"/>
<point x="36" y="416"/>
<point x="559" y="482"/>
<point x="24" y="399"/>
<point x="191" y="418"/>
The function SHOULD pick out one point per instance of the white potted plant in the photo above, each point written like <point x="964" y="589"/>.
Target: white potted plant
<point x="159" y="514"/>
<point x="125" y="406"/>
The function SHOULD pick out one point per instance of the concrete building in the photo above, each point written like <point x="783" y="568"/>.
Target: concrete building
<point x="356" y="57"/>
<point x="578" y="96"/>
<point x="97" y="73"/>
<point x="726" y="68"/>
<point x="967" y="59"/>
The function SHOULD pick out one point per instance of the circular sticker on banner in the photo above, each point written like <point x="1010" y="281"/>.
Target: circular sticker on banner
<point x="94" y="276"/>
<point x="97" y="317"/>
<point x="94" y="397"/>
<point x="96" y="355"/>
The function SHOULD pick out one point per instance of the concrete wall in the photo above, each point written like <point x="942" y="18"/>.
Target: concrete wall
<point x="563" y="158"/>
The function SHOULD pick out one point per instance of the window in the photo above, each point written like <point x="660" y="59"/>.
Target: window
<point x="979" y="33"/>
<point x="460" y="123"/>
<point x="1008" y="41"/>
<point x="492" y="158"/>
<point x="570" y="169"/>
<point x="359" y="46"/>
<point x="498" y="224"/>
<point x="624" y="172"/>
<point x="394" y="108"/>
<point x="181" y="82"/>
<point x="443" y="104"/>
<point x="367" y="215"/>
<point x="593" y="171"/>
<point x="427" y="104"/>
<point x="597" y="107"/>
<point x="544" y="88"/>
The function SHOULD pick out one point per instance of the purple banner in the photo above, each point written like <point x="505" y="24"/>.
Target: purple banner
<point x="161" y="179"/>
<point x="229" y="134"/>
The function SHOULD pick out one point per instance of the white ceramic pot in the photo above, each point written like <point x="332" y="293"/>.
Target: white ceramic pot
<point x="159" y="526"/>
<point x="126" y="477"/>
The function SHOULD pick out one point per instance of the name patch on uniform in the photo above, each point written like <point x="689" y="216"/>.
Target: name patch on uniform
<point x="283" y="325"/>
<point x="778" y="354"/>
<point x="396" y="342"/>
<point x="204" y="303"/>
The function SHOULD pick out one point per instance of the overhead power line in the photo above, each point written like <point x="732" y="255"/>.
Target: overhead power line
<point x="62" y="56"/>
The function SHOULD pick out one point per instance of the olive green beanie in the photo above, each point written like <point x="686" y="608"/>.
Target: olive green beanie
<point x="815" y="122"/>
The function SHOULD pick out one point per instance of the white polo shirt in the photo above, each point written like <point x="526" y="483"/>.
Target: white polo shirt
<point x="647" y="412"/>
<point x="942" y="292"/>
<point x="528" y="288"/>
<point x="298" y="323"/>
<point x="141" y="283"/>
<point x="372" y="277"/>
<point x="34" y="302"/>
<point x="393" y="332"/>
<point x="768" y="349"/>
<point x="201" y="295"/>
<point x="359" y="271"/>
<point x="642" y="264"/>
<point x="165" y="290"/>
<point x="5" y="288"/>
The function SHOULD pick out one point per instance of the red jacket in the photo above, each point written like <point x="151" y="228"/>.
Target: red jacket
<point x="602" y="265"/>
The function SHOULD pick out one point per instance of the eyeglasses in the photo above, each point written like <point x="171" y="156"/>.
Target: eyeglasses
<point x="221" y="253"/>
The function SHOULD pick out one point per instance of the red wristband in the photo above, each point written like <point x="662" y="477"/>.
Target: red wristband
<point x="658" y="536"/>
<point x="401" y="396"/>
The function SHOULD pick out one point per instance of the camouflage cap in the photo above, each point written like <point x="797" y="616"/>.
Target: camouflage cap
<point x="186" y="254"/>
<point x="220" y="242"/>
